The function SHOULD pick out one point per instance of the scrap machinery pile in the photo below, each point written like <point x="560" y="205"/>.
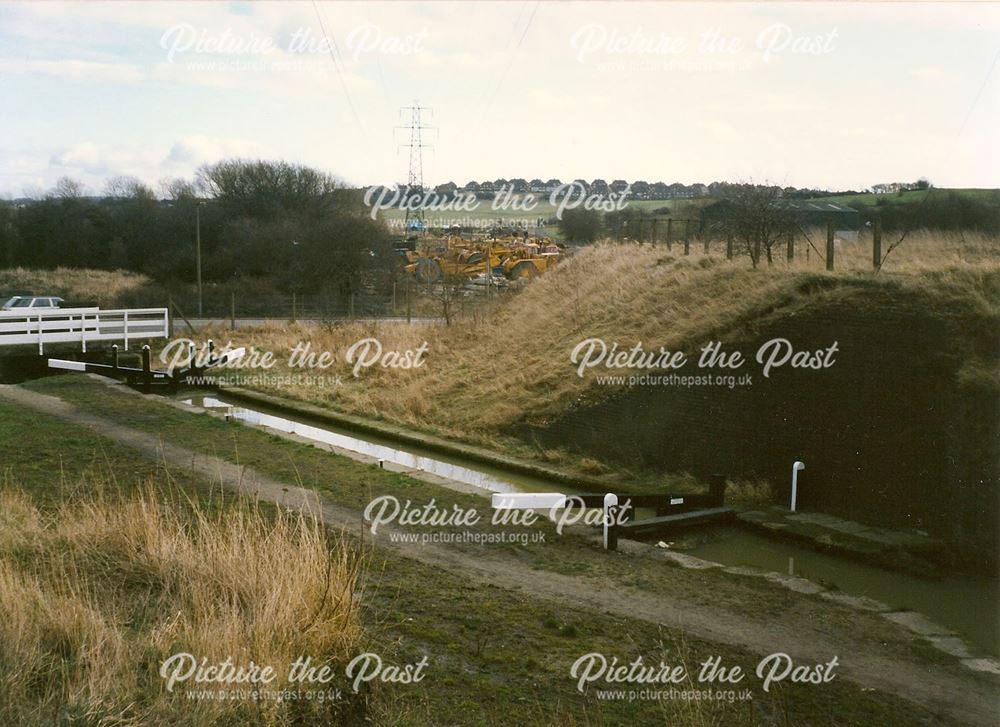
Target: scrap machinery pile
<point x="507" y="258"/>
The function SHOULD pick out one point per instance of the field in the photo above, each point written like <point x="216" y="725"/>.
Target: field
<point x="859" y="201"/>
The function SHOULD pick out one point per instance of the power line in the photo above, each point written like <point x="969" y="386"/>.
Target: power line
<point x="979" y="93"/>
<point x="510" y="60"/>
<point x="334" y="51"/>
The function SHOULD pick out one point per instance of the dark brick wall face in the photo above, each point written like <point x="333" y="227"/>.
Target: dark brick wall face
<point x="888" y="434"/>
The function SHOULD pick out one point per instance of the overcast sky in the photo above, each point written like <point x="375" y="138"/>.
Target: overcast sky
<point x="839" y="95"/>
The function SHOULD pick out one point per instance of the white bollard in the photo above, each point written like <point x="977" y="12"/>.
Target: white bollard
<point x="610" y="501"/>
<point x="795" y="481"/>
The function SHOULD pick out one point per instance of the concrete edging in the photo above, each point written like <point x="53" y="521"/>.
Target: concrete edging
<point x="408" y="437"/>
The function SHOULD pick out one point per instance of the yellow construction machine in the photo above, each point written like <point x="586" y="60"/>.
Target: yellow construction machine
<point x="511" y="257"/>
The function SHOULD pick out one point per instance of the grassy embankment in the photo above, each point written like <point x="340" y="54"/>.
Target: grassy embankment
<point x="109" y="565"/>
<point x="95" y="559"/>
<point x="485" y="375"/>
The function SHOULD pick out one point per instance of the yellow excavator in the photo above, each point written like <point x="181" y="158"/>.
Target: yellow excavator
<point x="511" y="257"/>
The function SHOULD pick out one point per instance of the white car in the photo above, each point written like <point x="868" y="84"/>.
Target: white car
<point x="34" y="302"/>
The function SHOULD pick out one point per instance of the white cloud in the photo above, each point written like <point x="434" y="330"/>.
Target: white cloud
<point x="928" y="73"/>
<point x="74" y="70"/>
<point x="193" y="151"/>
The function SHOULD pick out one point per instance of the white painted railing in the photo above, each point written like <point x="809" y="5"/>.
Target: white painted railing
<point x="81" y="325"/>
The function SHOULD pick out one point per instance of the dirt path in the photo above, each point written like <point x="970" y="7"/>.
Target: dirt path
<point x="973" y="700"/>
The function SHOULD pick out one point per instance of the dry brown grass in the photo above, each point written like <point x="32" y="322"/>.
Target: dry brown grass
<point x="103" y="287"/>
<point x="487" y="373"/>
<point x="97" y="594"/>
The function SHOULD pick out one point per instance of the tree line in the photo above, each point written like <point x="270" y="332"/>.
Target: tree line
<point x="296" y="226"/>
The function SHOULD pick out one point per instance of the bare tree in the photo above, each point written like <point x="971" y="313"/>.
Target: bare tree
<point x="178" y="189"/>
<point x="67" y="188"/>
<point x="128" y="188"/>
<point x="270" y="189"/>
<point x="756" y="220"/>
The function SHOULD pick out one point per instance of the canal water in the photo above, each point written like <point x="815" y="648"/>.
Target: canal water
<point x="966" y="605"/>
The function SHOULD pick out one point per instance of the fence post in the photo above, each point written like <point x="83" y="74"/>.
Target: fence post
<point x="687" y="239"/>
<point x="653" y="232"/>
<point x="729" y="246"/>
<point x="717" y="489"/>
<point x="791" y="247"/>
<point x="670" y="226"/>
<point x="876" y="243"/>
<point x="829" y="243"/>
<point x="147" y="377"/>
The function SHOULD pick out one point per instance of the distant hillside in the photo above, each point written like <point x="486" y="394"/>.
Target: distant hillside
<point x="913" y="195"/>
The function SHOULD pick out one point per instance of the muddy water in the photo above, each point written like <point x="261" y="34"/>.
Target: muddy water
<point x="483" y="476"/>
<point x="969" y="606"/>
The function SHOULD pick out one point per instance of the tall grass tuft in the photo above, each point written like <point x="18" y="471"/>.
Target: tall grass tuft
<point x="96" y="595"/>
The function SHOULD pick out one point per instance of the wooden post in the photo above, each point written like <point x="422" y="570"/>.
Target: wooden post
<point x="652" y="234"/>
<point x="687" y="238"/>
<point x="876" y="243"/>
<point x="729" y="246"/>
<point x="670" y="238"/>
<point x="717" y="489"/>
<point x="791" y="247"/>
<point x="147" y="376"/>
<point x="232" y="310"/>
<point x="177" y="308"/>
<point x="706" y="246"/>
<point x="829" y="243"/>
